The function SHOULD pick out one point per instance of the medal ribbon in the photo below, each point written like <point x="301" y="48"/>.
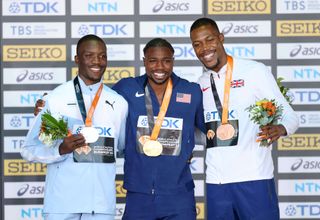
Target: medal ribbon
<point x="86" y="118"/>
<point x="162" y="112"/>
<point x="227" y="85"/>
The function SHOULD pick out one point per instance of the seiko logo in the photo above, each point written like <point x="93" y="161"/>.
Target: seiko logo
<point x="300" y="28"/>
<point x="230" y="27"/>
<point x="14" y="53"/>
<point x="239" y="6"/>
<point x="300" y="141"/>
<point x="170" y="6"/>
<point x="34" y="53"/>
<point x="34" y="76"/>
<point x="307" y="51"/>
<point x="114" y="74"/>
<point x="33" y="190"/>
<point x="23" y="168"/>
<point x="120" y="191"/>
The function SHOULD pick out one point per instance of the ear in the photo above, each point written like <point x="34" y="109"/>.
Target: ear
<point x="76" y="59"/>
<point x="221" y="37"/>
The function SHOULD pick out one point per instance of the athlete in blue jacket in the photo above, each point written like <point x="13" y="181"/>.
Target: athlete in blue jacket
<point x="160" y="187"/>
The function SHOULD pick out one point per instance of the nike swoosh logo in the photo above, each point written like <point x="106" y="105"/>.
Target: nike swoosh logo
<point x="205" y="89"/>
<point x="139" y="94"/>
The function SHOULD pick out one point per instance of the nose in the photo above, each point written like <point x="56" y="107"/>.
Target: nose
<point x="96" y="59"/>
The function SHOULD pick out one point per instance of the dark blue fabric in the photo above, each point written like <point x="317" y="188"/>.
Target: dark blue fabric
<point x="254" y="200"/>
<point x="162" y="174"/>
<point x="160" y="207"/>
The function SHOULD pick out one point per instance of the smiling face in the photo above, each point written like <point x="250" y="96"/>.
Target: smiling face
<point x="158" y="62"/>
<point x="92" y="61"/>
<point x="207" y="43"/>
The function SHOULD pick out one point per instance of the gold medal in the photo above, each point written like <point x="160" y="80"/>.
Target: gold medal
<point x="225" y="131"/>
<point x="152" y="148"/>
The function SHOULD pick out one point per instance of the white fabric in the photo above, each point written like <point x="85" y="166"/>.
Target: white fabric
<point x="78" y="187"/>
<point x="88" y="216"/>
<point x="245" y="161"/>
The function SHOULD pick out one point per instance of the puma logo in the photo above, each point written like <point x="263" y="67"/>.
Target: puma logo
<point x="111" y="104"/>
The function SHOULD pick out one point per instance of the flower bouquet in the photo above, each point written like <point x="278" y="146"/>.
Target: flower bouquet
<point x="52" y="129"/>
<point x="265" y="112"/>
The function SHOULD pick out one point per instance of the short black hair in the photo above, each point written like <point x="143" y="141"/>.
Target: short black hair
<point x="89" y="37"/>
<point x="203" y="22"/>
<point x="158" y="42"/>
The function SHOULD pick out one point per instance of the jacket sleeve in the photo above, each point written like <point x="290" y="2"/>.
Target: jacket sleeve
<point x="34" y="150"/>
<point x="123" y="122"/>
<point x="267" y="88"/>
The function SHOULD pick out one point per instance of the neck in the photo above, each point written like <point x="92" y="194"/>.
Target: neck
<point x="88" y="82"/>
<point x="159" y="89"/>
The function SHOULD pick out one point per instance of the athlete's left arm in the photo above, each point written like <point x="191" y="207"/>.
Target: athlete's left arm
<point x="199" y="120"/>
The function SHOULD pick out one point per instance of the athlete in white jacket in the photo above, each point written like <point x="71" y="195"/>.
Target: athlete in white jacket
<point x="239" y="173"/>
<point x="80" y="182"/>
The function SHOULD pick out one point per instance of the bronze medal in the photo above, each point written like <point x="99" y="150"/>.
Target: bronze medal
<point x="152" y="148"/>
<point x="225" y="131"/>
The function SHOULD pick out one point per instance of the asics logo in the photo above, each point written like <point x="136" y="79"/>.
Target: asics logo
<point x="139" y="94"/>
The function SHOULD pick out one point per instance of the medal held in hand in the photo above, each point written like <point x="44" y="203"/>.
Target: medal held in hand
<point x="152" y="147"/>
<point x="90" y="134"/>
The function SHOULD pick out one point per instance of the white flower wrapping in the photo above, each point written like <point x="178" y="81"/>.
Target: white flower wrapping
<point x="52" y="129"/>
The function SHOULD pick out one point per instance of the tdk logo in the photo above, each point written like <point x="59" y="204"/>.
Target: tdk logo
<point x="17" y="121"/>
<point x="40" y="7"/>
<point x="103" y="131"/>
<point x="102" y="6"/>
<point x="183" y="52"/>
<point x="103" y="29"/>
<point x="307" y="96"/>
<point x="168" y="123"/>
<point x="214" y="115"/>
<point x="303" y="210"/>
<point x="171" y="29"/>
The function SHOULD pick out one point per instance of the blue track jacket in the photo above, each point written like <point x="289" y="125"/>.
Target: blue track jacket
<point x="165" y="174"/>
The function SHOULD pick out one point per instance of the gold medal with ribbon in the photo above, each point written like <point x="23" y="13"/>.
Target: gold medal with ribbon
<point x="152" y="147"/>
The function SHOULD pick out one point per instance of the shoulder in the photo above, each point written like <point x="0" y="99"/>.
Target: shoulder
<point x="189" y="85"/>
<point x="248" y="64"/>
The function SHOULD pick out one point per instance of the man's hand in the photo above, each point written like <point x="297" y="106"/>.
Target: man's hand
<point x="272" y="132"/>
<point x="39" y="105"/>
<point x="71" y="143"/>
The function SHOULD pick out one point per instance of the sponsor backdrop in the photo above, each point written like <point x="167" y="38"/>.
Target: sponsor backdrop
<point x="38" y="39"/>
